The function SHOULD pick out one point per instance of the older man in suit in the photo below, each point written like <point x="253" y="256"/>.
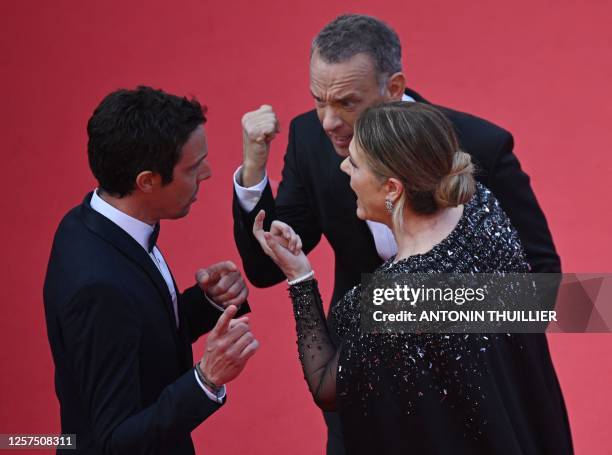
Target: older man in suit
<point x="355" y="63"/>
<point x="119" y="329"/>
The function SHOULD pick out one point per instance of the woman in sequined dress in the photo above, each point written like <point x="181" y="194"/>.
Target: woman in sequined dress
<point x="427" y="393"/>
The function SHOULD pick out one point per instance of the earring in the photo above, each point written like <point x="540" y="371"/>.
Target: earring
<point x="389" y="205"/>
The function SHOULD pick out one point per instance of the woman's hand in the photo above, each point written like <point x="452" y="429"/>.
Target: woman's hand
<point x="283" y="246"/>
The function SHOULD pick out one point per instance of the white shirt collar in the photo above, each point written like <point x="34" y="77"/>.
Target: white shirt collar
<point x="138" y="230"/>
<point x="408" y="98"/>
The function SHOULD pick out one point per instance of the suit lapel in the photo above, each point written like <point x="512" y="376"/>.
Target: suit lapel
<point x="451" y="115"/>
<point x="130" y="248"/>
<point x="184" y="346"/>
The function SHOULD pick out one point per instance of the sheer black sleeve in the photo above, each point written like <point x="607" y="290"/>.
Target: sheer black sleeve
<point x="318" y="354"/>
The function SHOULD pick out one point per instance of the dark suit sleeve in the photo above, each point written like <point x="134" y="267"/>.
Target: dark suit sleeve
<point x="200" y="314"/>
<point x="512" y="188"/>
<point x="103" y="336"/>
<point x="292" y="206"/>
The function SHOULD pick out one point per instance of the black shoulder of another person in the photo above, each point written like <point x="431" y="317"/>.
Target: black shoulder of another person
<point x="477" y="136"/>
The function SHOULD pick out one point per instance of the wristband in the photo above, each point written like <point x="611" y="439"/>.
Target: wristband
<point x="214" y="388"/>
<point x="305" y="277"/>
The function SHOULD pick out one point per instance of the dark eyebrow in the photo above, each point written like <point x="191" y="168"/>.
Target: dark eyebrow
<point x="349" y="97"/>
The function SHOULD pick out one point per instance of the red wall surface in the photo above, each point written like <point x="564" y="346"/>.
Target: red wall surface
<point x="541" y="69"/>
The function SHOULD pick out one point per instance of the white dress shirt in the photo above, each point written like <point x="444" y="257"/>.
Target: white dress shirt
<point x="141" y="232"/>
<point x="248" y="198"/>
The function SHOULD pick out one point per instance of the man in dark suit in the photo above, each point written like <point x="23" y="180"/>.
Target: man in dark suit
<point x="356" y="62"/>
<point x="119" y="330"/>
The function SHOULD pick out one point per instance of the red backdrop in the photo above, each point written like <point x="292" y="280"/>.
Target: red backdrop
<point x="542" y="69"/>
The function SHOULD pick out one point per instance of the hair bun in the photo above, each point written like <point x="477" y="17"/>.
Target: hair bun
<point x="459" y="185"/>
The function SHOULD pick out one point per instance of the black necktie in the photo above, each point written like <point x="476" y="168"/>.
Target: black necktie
<point x="153" y="238"/>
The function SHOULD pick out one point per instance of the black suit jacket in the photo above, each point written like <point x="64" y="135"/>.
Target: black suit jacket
<point x="123" y="371"/>
<point x="314" y="197"/>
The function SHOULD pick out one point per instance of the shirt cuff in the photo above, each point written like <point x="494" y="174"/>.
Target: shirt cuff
<point x="214" y="304"/>
<point x="217" y="306"/>
<point x="248" y="197"/>
<point x="217" y="398"/>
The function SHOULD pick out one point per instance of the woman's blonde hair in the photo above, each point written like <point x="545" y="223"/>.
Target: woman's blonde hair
<point x="416" y="144"/>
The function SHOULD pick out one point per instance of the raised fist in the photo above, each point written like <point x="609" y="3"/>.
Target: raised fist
<point x="258" y="129"/>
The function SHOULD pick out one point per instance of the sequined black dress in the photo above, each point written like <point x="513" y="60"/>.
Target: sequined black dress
<point x="436" y="393"/>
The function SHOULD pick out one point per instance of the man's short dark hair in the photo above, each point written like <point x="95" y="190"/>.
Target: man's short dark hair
<point x="132" y="131"/>
<point x="352" y="34"/>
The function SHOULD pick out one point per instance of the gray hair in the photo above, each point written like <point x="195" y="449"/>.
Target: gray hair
<point x="352" y="34"/>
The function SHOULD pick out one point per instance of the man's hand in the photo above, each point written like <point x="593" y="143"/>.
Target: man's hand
<point x="229" y="346"/>
<point x="223" y="283"/>
<point x="258" y="129"/>
<point x="283" y="246"/>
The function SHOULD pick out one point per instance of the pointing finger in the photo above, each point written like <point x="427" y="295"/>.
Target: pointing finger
<point x="202" y="276"/>
<point x="222" y="324"/>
